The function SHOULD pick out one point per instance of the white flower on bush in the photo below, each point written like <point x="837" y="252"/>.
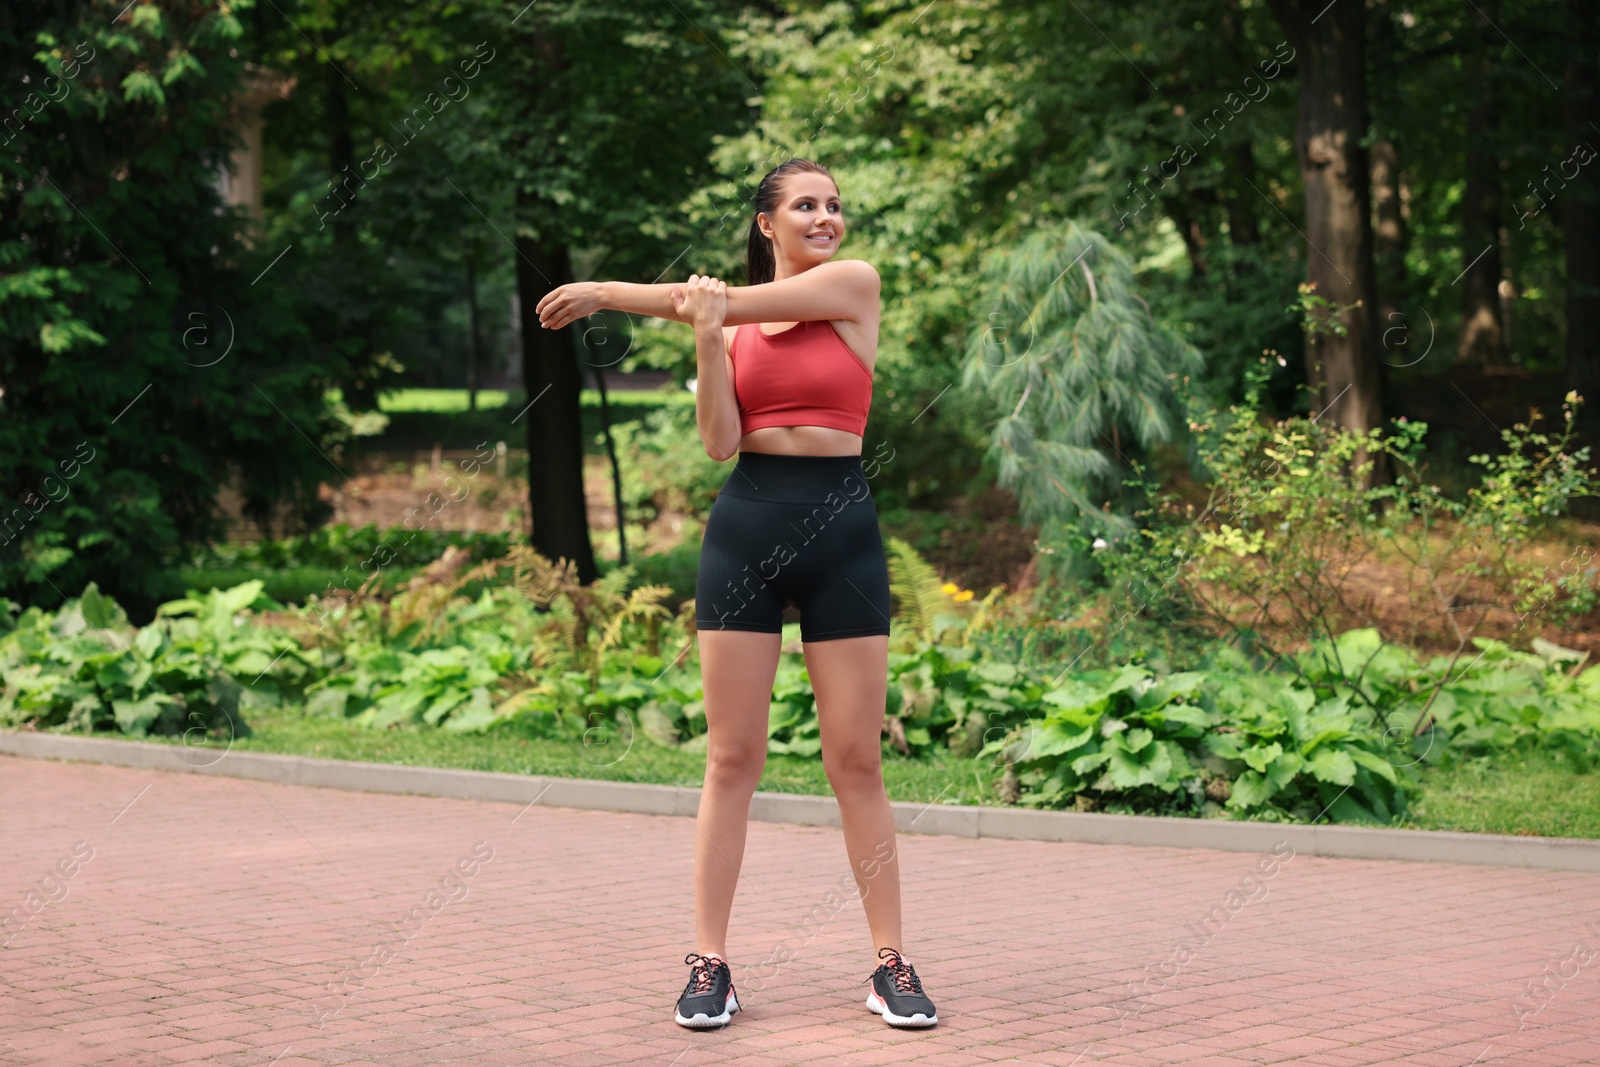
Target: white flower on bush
<point x="1099" y="543"/>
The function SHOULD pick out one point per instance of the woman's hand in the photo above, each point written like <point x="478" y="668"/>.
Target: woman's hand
<point x="565" y="303"/>
<point x="702" y="300"/>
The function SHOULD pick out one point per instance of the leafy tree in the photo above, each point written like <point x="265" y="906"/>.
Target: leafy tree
<point x="383" y="165"/>
<point x="1581" y="218"/>
<point x="147" y="358"/>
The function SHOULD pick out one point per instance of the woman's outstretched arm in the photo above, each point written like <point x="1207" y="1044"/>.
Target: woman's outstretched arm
<point x="839" y="289"/>
<point x="570" y="302"/>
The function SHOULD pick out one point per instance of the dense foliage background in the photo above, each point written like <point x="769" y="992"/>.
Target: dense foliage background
<point x="1255" y="337"/>
<point x="424" y="163"/>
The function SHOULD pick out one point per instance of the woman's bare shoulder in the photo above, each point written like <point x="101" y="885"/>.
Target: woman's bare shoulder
<point x="857" y="270"/>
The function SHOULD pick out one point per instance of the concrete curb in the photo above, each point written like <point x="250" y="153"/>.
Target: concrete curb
<point x="1347" y="842"/>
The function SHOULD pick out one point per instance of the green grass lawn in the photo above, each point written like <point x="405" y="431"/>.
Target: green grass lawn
<point x="453" y="400"/>
<point x="1522" y="795"/>
<point x="438" y="399"/>
<point x="419" y="418"/>
<point x="1535" y="794"/>
<point x="289" y="732"/>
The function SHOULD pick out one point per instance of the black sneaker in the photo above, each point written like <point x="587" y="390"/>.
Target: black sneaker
<point x="897" y="993"/>
<point x="708" y="1000"/>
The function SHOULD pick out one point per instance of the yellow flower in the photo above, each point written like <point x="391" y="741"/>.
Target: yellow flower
<point x="963" y="596"/>
<point x="949" y="588"/>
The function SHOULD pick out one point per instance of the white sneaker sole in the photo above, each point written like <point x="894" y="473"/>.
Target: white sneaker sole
<point x="919" y="1019"/>
<point x="703" y="1021"/>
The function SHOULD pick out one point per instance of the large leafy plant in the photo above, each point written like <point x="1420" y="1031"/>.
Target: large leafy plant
<point x="201" y="664"/>
<point x="1202" y="742"/>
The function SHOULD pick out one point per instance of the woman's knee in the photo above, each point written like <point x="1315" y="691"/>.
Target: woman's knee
<point x="735" y="764"/>
<point x="860" y="765"/>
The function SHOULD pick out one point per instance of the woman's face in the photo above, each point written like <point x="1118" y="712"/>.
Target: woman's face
<point x="808" y="224"/>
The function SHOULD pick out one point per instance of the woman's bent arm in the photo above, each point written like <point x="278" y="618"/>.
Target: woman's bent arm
<point x="840" y="289"/>
<point x="716" y="407"/>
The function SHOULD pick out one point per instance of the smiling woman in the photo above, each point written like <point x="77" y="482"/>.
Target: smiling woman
<point x="792" y="402"/>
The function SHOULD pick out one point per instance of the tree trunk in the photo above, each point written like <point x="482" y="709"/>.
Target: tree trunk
<point x="1483" y="342"/>
<point x="341" y="161"/>
<point x="1580" y="215"/>
<point x="556" y="501"/>
<point x="616" y="466"/>
<point x="1331" y="123"/>
<point x="1239" y="160"/>
<point x="1188" y="227"/>
<point x="475" y="349"/>
<point x="550" y="369"/>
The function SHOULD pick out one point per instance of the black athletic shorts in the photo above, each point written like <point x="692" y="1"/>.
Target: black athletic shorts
<point x="798" y="531"/>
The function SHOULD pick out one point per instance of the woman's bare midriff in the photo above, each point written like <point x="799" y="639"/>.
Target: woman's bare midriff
<point x="802" y="441"/>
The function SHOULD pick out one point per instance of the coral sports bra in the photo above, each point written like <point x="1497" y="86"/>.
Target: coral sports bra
<point x="804" y="376"/>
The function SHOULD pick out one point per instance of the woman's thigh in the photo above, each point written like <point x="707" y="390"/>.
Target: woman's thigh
<point x="737" y="670"/>
<point x="851" y="679"/>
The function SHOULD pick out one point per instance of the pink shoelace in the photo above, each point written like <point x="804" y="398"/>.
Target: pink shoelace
<point x="905" y="979"/>
<point x="704" y="975"/>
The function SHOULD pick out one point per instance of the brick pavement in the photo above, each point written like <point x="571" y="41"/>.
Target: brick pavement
<point x="185" y="919"/>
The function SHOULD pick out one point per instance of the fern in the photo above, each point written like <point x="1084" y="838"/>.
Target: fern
<point x="643" y="603"/>
<point x="916" y="587"/>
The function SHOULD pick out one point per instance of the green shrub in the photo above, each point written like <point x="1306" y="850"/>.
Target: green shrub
<point x="1451" y="707"/>
<point x="1274" y="558"/>
<point x="359" y="549"/>
<point x="142" y="376"/>
<point x="515" y="642"/>
<point x="1201" y="743"/>
<point x="677" y="569"/>
<point x="291" y="585"/>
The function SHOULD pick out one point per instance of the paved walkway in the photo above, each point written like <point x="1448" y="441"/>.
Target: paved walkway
<point x="173" y="919"/>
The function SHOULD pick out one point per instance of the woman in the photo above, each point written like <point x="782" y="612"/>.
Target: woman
<point x="785" y="380"/>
